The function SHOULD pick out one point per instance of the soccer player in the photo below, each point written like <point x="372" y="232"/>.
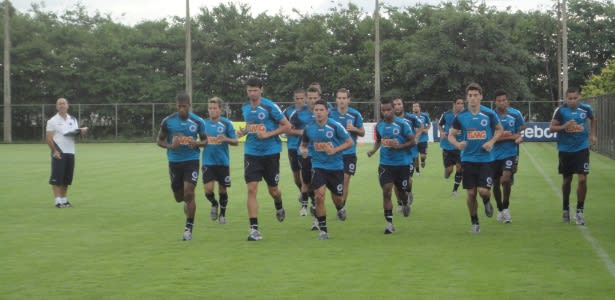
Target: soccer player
<point x="298" y="115"/>
<point x="220" y="133"/>
<point x="570" y="121"/>
<point x="325" y="139"/>
<point x="506" y="151"/>
<point x="352" y="120"/>
<point x="451" y="155"/>
<point x="264" y="123"/>
<point x="178" y="135"/>
<point x="396" y="137"/>
<point x="423" y="137"/>
<point x="61" y="131"/>
<point x="480" y="129"/>
<point x="413" y="152"/>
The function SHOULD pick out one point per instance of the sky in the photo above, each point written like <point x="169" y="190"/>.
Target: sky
<point x="131" y="12"/>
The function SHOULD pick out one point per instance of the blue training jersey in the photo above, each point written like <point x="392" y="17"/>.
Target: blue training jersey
<point x="193" y="126"/>
<point x="446" y="121"/>
<point x="415" y="124"/>
<point x="298" y="118"/>
<point x="388" y="134"/>
<point x="425" y="121"/>
<point x="507" y="148"/>
<point x="266" y="116"/>
<point x="216" y="152"/>
<point x="351" y="116"/>
<point x="318" y="138"/>
<point x="476" y="130"/>
<point x="576" y="138"/>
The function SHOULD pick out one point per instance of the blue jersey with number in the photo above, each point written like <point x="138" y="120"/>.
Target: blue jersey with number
<point x="266" y="116"/>
<point x="352" y="116"/>
<point x="415" y="124"/>
<point x="192" y="127"/>
<point x="216" y="151"/>
<point x="298" y="118"/>
<point x="389" y="134"/>
<point x="425" y="121"/>
<point x="476" y="130"/>
<point x="446" y="121"/>
<point x="319" y="138"/>
<point x="576" y="138"/>
<point x="507" y="148"/>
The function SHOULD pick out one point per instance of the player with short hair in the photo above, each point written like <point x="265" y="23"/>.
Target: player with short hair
<point x="506" y="151"/>
<point x="415" y="124"/>
<point x="61" y="131"/>
<point x="181" y="134"/>
<point x="216" y="160"/>
<point x="451" y="157"/>
<point x="325" y="140"/>
<point x="570" y="121"/>
<point x="394" y="137"/>
<point x="480" y="128"/>
<point x="264" y="123"/>
<point x="352" y="120"/>
<point x="423" y="138"/>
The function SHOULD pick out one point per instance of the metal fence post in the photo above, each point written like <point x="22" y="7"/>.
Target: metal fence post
<point x="153" y="120"/>
<point x="44" y="120"/>
<point x="116" y="121"/>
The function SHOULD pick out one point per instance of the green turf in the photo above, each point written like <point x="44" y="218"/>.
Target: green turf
<point x="121" y="240"/>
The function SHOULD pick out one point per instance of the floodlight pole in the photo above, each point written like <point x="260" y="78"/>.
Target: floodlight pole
<point x="188" y="53"/>
<point x="377" y="62"/>
<point x="564" y="47"/>
<point x="7" y="77"/>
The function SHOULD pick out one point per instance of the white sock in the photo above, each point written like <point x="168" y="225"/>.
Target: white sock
<point x="58" y="200"/>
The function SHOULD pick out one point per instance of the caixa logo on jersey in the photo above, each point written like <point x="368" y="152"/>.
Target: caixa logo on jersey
<point x="538" y="132"/>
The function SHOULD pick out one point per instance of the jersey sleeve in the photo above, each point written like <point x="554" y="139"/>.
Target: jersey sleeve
<point x="276" y="113"/>
<point x="358" y="120"/>
<point x="342" y="133"/>
<point x="442" y="120"/>
<point x="493" y="120"/>
<point x="230" y="130"/>
<point x="377" y="136"/>
<point x="457" y="123"/>
<point x="557" y="115"/>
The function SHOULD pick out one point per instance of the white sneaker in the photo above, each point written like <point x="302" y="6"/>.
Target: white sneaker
<point x="222" y="220"/>
<point x="303" y="211"/>
<point x="475" y="228"/>
<point x="507" y="217"/>
<point x="579" y="218"/>
<point x="500" y="217"/>
<point x="389" y="228"/>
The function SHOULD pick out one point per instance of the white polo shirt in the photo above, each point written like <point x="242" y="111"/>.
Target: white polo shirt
<point x="61" y="132"/>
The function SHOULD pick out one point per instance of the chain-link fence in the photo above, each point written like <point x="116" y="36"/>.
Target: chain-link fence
<point x="604" y="112"/>
<point x="141" y="121"/>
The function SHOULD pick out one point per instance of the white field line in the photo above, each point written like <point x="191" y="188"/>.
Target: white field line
<point x="602" y="254"/>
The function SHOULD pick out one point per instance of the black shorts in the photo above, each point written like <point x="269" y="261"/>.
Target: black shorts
<point x="306" y="169"/>
<point x="221" y="174"/>
<point x="62" y="170"/>
<point x="185" y="171"/>
<point x="477" y="175"/>
<point x="574" y="162"/>
<point x="451" y="157"/>
<point x="333" y="179"/>
<point x="501" y="165"/>
<point x="258" y="167"/>
<point x="398" y="175"/>
<point x="293" y="159"/>
<point x="422" y="147"/>
<point x="350" y="163"/>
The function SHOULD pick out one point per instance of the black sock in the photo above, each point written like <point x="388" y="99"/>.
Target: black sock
<point x="388" y="215"/>
<point x="278" y="205"/>
<point x="458" y="179"/>
<point x="474" y="219"/>
<point x="339" y="206"/>
<point x="322" y="223"/>
<point x="580" y="206"/>
<point x="506" y="204"/>
<point x="254" y="223"/>
<point x="211" y="198"/>
<point x="304" y="199"/>
<point x="223" y="203"/>
<point x="189" y="223"/>
<point x="312" y="199"/>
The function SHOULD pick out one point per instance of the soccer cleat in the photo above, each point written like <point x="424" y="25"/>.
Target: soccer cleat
<point x="389" y="228"/>
<point x="213" y="214"/>
<point x="59" y="205"/>
<point x="187" y="235"/>
<point x="254" y="235"/>
<point x="323" y="235"/>
<point x="566" y="216"/>
<point x="67" y="204"/>
<point x="410" y="198"/>
<point x="507" y="217"/>
<point x="488" y="209"/>
<point x="454" y="194"/>
<point x="222" y="220"/>
<point x="341" y="214"/>
<point x="280" y="214"/>
<point x="475" y="228"/>
<point x="580" y="220"/>
<point x="303" y="211"/>
<point x="315" y="225"/>
<point x="500" y="217"/>
<point x="406" y="210"/>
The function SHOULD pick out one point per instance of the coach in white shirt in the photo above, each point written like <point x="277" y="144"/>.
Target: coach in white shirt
<point x="61" y="132"/>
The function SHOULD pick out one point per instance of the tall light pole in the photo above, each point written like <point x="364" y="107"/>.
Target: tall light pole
<point x="7" y="77"/>
<point x="188" y="52"/>
<point x="564" y="47"/>
<point x="377" y="62"/>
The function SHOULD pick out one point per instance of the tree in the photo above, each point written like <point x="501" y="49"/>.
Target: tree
<point x="603" y="83"/>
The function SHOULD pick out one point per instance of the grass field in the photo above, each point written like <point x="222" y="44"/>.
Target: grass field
<point x="121" y="240"/>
